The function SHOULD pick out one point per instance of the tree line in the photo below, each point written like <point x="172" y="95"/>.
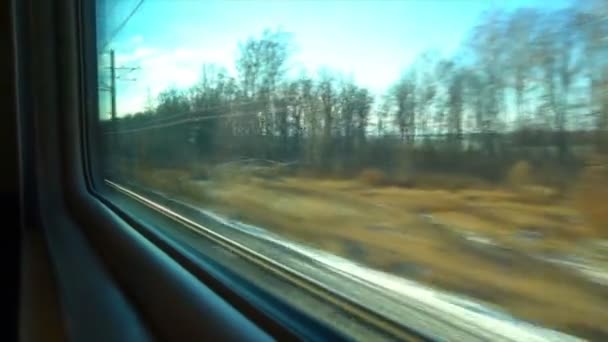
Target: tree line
<point x="525" y="84"/>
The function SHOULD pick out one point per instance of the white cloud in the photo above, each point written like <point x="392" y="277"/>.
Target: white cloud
<point x="160" y="69"/>
<point x="131" y="105"/>
<point x="138" y="54"/>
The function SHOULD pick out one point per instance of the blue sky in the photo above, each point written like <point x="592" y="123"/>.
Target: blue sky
<point x="371" y="41"/>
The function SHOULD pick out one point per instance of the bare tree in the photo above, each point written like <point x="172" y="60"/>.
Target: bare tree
<point x="328" y="97"/>
<point x="488" y="43"/>
<point x="405" y="115"/>
<point x="521" y="26"/>
<point x="363" y="107"/>
<point x="261" y="64"/>
<point x="452" y="76"/>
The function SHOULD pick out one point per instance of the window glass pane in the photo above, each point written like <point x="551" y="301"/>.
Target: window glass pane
<point x="450" y="155"/>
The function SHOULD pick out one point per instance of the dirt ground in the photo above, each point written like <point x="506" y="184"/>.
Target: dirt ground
<point x="490" y="243"/>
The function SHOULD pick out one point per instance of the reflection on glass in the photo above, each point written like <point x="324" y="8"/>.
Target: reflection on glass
<point x="459" y="145"/>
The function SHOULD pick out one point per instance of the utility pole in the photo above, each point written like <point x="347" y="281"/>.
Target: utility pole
<point x="113" y="78"/>
<point x="113" y="84"/>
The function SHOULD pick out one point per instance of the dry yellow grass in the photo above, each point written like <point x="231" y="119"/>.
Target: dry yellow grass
<point x="386" y="226"/>
<point x="372" y="177"/>
<point x="445" y="181"/>
<point x="533" y="291"/>
<point x="162" y="179"/>
<point x="592" y="197"/>
<point x="171" y="181"/>
<point x="520" y="174"/>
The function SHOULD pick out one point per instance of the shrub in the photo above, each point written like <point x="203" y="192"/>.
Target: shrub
<point x="339" y="170"/>
<point x="373" y="177"/>
<point x="165" y="180"/>
<point x="446" y="181"/>
<point x="520" y="174"/>
<point x="538" y="194"/>
<point x="591" y="197"/>
<point x="230" y="172"/>
<point x="403" y="181"/>
<point x="199" y="172"/>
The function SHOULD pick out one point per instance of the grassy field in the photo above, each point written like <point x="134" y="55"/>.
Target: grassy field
<point x="484" y="241"/>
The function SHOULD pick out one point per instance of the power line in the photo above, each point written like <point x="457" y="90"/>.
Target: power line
<point x="193" y="115"/>
<point x="219" y="107"/>
<point x="127" y="68"/>
<point x="175" y="120"/>
<point x="179" y="122"/>
<point x="150" y="56"/>
<point x="122" y="25"/>
<point x="190" y="119"/>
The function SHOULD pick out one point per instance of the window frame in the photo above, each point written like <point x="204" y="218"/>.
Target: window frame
<point x="60" y="135"/>
<point x="62" y="195"/>
<point x="127" y="263"/>
<point x="279" y="319"/>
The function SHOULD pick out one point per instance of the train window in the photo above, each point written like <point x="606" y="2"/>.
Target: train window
<point x="429" y="166"/>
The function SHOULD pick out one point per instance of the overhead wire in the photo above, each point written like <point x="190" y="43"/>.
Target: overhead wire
<point x="189" y="113"/>
<point x="122" y="24"/>
<point x="191" y="117"/>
